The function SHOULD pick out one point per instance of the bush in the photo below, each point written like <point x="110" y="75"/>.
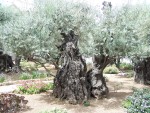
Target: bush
<point x="2" y="79"/>
<point x="36" y="74"/>
<point x="126" y="66"/>
<point x="28" y="66"/>
<point x="86" y="103"/>
<point x="11" y="103"/>
<point x="32" y="75"/>
<point x="55" y="111"/>
<point x="129" y="75"/>
<point x="25" y="76"/>
<point x="111" y="70"/>
<point x="34" y="87"/>
<point x="138" y="102"/>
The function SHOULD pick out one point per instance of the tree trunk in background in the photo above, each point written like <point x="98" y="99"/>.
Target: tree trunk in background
<point x="6" y="63"/>
<point x="70" y="81"/>
<point x="117" y="62"/>
<point x="142" y="71"/>
<point x="17" y="64"/>
<point x="97" y="84"/>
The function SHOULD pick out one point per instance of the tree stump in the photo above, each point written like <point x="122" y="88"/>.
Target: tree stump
<point x="70" y="82"/>
<point x="142" y="71"/>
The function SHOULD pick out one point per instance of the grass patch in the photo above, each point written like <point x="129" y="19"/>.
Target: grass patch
<point x="126" y="66"/>
<point x="28" y="66"/>
<point x="36" y="74"/>
<point x="32" y="75"/>
<point x="25" y="76"/>
<point x="2" y="79"/>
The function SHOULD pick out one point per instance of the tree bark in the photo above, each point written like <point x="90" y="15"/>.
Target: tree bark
<point x="6" y="62"/>
<point x="142" y="71"/>
<point x="117" y="62"/>
<point x="97" y="84"/>
<point x="70" y="81"/>
<point x="17" y="64"/>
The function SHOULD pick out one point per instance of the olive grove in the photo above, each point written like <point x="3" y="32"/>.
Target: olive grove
<point x="61" y="33"/>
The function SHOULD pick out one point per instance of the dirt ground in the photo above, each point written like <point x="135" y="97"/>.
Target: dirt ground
<point x="120" y="87"/>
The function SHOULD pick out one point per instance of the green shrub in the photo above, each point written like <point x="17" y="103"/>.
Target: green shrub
<point x="111" y="70"/>
<point x="36" y="74"/>
<point x="55" y="111"/>
<point x="28" y="66"/>
<point x="86" y="103"/>
<point x="126" y="66"/>
<point x="130" y="74"/>
<point x="34" y="87"/>
<point x="138" y="102"/>
<point x="2" y="79"/>
<point x="25" y="76"/>
<point x="32" y="75"/>
<point x="11" y="103"/>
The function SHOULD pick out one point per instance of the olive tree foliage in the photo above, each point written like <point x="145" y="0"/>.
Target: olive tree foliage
<point x="120" y="31"/>
<point x="28" y="37"/>
<point x="35" y="34"/>
<point x="108" y="31"/>
<point x="142" y="32"/>
<point x="5" y="16"/>
<point x="78" y="17"/>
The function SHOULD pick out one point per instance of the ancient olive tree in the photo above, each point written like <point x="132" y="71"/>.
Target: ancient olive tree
<point x="112" y="34"/>
<point x="142" y="71"/>
<point x="20" y="39"/>
<point x="109" y="42"/>
<point x="61" y="29"/>
<point x="142" y="53"/>
<point x="5" y="60"/>
<point x="28" y="38"/>
<point x="119" y="33"/>
<point x="70" y="81"/>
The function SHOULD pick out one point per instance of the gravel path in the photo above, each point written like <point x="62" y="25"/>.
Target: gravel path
<point x="42" y="102"/>
<point x="8" y="89"/>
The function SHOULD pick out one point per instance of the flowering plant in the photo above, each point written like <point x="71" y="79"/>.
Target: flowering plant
<point x="34" y="87"/>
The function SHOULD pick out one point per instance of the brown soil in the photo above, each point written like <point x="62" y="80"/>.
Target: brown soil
<point x="120" y="87"/>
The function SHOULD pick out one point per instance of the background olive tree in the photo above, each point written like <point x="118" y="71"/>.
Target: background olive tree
<point x="112" y="32"/>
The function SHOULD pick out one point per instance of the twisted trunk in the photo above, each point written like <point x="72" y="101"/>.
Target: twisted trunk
<point x="6" y="62"/>
<point x="142" y="71"/>
<point x="97" y="84"/>
<point x="17" y="64"/>
<point x="70" y="81"/>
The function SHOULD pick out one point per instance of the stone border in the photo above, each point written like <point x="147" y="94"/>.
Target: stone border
<point x="17" y="81"/>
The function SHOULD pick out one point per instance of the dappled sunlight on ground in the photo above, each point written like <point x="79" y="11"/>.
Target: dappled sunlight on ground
<point x="120" y="87"/>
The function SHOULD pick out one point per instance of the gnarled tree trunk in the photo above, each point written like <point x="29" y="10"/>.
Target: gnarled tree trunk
<point x="6" y="62"/>
<point x="70" y="81"/>
<point x="142" y="71"/>
<point x="97" y="84"/>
